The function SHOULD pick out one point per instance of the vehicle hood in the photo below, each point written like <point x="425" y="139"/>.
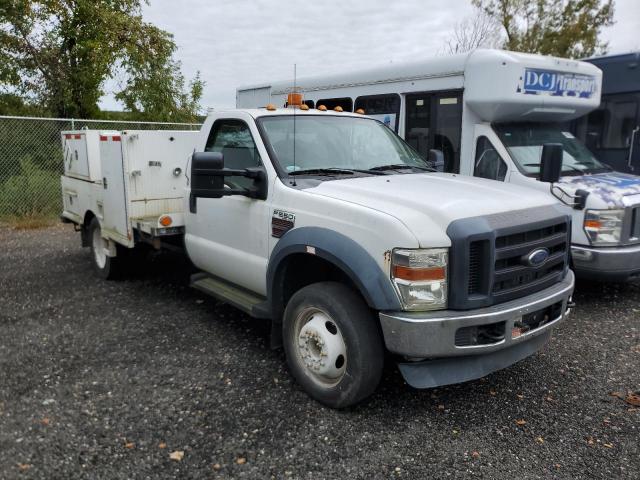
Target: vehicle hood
<point x="427" y="203"/>
<point x="614" y="189"/>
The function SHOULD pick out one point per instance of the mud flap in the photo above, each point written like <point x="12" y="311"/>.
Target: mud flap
<point x="447" y="371"/>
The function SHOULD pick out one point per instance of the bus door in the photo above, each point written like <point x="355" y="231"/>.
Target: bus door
<point x="434" y="121"/>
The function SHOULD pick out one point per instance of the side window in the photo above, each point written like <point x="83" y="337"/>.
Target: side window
<point x="346" y="103"/>
<point x="621" y="116"/>
<point x="488" y="163"/>
<point x="385" y="108"/>
<point x="233" y="139"/>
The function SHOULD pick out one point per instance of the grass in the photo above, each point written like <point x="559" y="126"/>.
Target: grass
<point x="30" y="222"/>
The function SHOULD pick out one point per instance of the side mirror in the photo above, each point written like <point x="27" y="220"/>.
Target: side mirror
<point x="207" y="180"/>
<point x="551" y="162"/>
<point x="436" y="158"/>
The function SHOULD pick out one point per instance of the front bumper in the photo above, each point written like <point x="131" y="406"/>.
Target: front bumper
<point x="435" y="336"/>
<point x="606" y="263"/>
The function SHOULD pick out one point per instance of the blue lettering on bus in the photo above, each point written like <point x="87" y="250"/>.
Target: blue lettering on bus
<point x="536" y="81"/>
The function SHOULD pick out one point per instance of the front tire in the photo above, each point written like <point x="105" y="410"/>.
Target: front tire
<point x="333" y="344"/>
<point x="106" y="267"/>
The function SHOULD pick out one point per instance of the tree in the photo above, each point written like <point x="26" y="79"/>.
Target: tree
<point x="480" y="30"/>
<point x="59" y="54"/>
<point x="565" y="28"/>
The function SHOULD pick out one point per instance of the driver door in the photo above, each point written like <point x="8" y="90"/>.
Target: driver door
<point x="228" y="236"/>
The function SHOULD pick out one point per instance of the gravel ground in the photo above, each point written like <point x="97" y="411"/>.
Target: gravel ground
<point x="108" y="379"/>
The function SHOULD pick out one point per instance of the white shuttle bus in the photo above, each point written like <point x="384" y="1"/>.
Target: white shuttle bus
<point x="494" y="114"/>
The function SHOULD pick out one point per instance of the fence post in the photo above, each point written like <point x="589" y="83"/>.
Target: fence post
<point x="73" y="127"/>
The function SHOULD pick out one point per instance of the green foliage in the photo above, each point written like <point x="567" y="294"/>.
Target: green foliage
<point x="564" y="28"/>
<point x="60" y="53"/>
<point x="29" y="193"/>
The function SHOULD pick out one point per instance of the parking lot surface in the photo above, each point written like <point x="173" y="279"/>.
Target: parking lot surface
<point x="112" y="379"/>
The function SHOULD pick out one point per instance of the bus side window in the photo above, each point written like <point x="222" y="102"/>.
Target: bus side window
<point x="346" y="103"/>
<point x="385" y="108"/>
<point x="488" y="163"/>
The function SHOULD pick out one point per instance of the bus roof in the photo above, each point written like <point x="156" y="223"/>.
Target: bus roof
<point x="452" y="65"/>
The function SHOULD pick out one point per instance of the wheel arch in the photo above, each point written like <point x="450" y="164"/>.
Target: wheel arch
<point x="323" y="254"/>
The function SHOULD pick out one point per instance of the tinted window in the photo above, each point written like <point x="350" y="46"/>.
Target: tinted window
<point x="233" y="139"/>
<point x="488" y="163"/>
<point x="434" y="121"/>
<point x="621" y="116"/>
<point x="346" y="103"/>
<point x="385" y="108"/>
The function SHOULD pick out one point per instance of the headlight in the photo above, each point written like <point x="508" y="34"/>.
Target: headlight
<point x="604" y="227"/>
<point x="420" y="277"/>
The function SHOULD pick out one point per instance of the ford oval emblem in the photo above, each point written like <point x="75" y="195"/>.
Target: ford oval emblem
<point x="537" y="258"/>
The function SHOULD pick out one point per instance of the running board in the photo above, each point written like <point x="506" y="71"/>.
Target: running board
<point x="241" y="298"/>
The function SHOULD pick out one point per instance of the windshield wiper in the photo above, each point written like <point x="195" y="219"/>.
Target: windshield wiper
<point x="400" y="166"/>
<point x="333" y="171"/>
<point x="323" y="171"/>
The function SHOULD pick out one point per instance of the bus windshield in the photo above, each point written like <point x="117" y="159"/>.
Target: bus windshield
<point x="341" y="143"/>
<point x="524" y="141"/>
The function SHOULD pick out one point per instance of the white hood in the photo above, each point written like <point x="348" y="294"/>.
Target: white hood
<point x="429" y="202"/>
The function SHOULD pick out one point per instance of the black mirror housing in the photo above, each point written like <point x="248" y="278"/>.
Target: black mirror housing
<point x="551" y="162"/>
<point x="206" y="178"/>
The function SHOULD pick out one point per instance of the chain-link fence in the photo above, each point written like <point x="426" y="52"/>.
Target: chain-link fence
<point x="31" y="160"/>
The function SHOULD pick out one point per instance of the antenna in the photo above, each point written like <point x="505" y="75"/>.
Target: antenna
<point x="294" y="125"/>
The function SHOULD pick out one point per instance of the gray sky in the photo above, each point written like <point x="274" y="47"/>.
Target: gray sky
<point x="239" y="42"/>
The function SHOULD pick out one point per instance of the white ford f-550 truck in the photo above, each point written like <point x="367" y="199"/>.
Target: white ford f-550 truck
<point x="331" y="226"/>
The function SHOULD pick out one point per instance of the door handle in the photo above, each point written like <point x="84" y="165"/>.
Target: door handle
<point x="104" y="182"/>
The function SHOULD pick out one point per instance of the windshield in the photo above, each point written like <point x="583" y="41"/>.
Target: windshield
<point x="525" y="141"/>
<point x="344" y="144"/>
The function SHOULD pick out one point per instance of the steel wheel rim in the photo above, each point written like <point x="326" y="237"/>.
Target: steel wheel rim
<point x="320" y="347"/>
<point x="99" y="246"/>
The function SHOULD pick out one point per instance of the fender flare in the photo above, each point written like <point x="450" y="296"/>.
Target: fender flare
<point x="341" y="251"/>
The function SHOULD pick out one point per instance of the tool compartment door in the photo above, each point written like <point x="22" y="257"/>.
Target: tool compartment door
<point x="115" y="221"/>
<point x="76" y="158"/>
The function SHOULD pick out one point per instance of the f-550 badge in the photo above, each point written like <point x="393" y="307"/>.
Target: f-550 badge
<point x="281" y="222"/>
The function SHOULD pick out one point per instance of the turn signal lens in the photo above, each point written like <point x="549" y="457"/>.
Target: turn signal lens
<point x="165" y="221"/>
<point x="592" y="224"/>
<point x="418" y="274"/>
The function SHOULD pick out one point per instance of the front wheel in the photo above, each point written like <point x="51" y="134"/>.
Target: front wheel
<point x="333" y="344"/>
<point x="105" y="266"/>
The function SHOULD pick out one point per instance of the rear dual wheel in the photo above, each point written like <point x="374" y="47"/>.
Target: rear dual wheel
<point x="333" y="345"/>
<point x="105" y="266"/>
